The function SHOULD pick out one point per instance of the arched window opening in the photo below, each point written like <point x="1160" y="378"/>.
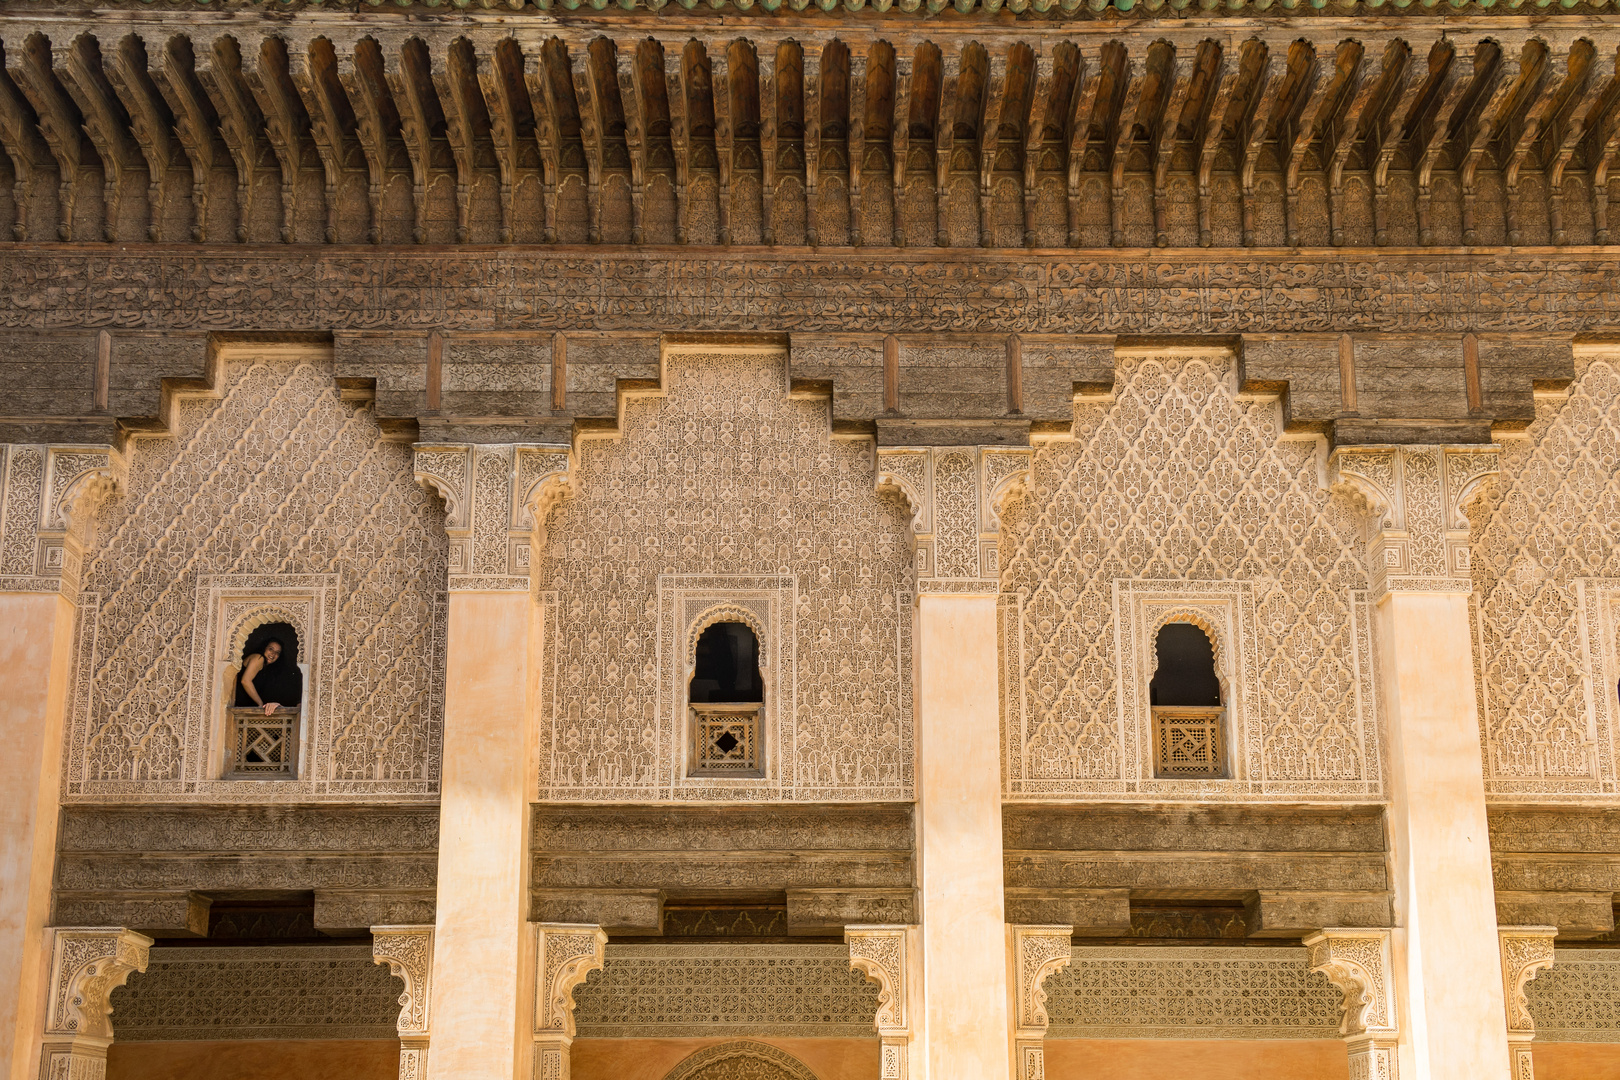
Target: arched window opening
<point x="267" y="693"/>
<point x="1189" y="721"/>
<point x="726" y="698"/>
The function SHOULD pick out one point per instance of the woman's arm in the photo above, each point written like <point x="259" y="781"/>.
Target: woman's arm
<point x="255" y="665"/>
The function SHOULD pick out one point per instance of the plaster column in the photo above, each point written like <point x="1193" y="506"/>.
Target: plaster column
<point x="1448" y="972"/>
<point x="481" y="941"/>
<point x="40" y="551"/>
<point x="955" y="493"/>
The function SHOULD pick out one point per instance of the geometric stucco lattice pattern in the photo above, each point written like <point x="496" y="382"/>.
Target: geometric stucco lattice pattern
<point x="262" y="992"/>
<point x="1180" y="483"/>
<point x="726" y="474"/>
<point x="275" y="480"/>
<point x="1191" y="993"/>
<point x="703" y="991"/>
<point x="1546" y="621"/>
<point x="1578" y="999"/>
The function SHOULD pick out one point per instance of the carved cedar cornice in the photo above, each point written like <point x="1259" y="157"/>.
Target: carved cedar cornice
<point x="408" y="952"/>
<point x="1037" y="952"/>
<point x="496" y="500"/>
<point x="565" y="954"/>
<point x="87" y="965"/>
<point x="1526" y="952"/>
<point x="887" y="956"/>
<point x="1416" y="501"/>
<point x="1360" y="963"/>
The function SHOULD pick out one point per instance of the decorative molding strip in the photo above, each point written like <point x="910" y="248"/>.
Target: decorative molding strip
<point x="565" y="954"/>
<point x="408" y="952"/>
<point x="87" y="965"/>
<point x="1037" y="952"/>
<point x="1359" y="963"/>
<point x="887" y="955"/>
<point x="1526" y="952"/>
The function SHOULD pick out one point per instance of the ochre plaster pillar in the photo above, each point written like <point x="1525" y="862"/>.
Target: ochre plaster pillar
<point x="1448" y="972"/>
<point x="482" y="945"/>
<point x="41" y="544"/>
<point x="955" y="494"/>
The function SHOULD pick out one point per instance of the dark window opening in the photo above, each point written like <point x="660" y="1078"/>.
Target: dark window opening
<point x="279" y="679"/>
<point x="1186" y="672"/>
<point x="726" y="667"/>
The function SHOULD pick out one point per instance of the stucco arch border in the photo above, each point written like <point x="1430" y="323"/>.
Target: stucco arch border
<point x="769" y="1063"/>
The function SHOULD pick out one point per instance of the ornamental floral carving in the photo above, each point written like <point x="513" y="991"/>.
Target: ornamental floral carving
<point x="1526" y="952"/>
<point x="886" y="955"/>
<point x="1038" y="952"/>
<point x="741" y="1060"/>
<point x="1180" y="487"/>
<point x="565" y="954"/>
<point x="1360" y="964"/>
<point x="49" y="496"/>
<point x="956" y="496"/>
<point x="87" y="965"/>
<point x="497" y="500"/>
<point x="408" y="952"/>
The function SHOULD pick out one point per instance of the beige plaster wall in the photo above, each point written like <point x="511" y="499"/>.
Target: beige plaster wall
<point x="1577" y="1061"/>
<point x="255" y="1059"/>
<point x="1197" y="1059"/>
<point x="652" y="1059"/>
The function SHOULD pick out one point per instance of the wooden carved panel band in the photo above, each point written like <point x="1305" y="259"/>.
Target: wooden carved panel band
<point x="264" y="747"/>
<point x="1188" y="741"/>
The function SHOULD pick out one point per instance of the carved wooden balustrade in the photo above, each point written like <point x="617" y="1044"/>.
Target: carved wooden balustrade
<point x="636" y="129"/>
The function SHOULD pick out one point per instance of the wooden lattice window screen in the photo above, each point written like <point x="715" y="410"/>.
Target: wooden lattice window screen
<point x="264" y="747"/>
<point x="725" y="740"/>
<point x="1189" y="742"/>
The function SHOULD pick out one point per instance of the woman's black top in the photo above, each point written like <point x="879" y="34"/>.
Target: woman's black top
<point x="280" y="682"/>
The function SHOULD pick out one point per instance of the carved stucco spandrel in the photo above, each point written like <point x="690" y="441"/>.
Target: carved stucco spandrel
<point x="1035" y="952"/>
<point x="1526" y="952"/>
<point x="48" y="496"/>
<point x="887" y="956"/>
<point x="957" y="495"/>
<point x="87" y="965"/>
<point x="565" y="954"/>
<point x="497" y="498"/>
<point x="1360" y="963"/>
<point x="408" y="952"/>
<point x="1417" y="500"/>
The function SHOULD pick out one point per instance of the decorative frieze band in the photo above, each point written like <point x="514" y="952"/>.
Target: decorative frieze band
<point x="956" y="495"/>
<point x="87" y="965"/>
<point x="1417" y="500"/>
<point x="1360" y="963"/>
<point x="1526" y="952"/>
<point x="408" y="952"/>
<point x="496" y="498"/>
<point x="46" y="498"/>
<point x="565" y="954"/>
<point x="1037" y="952"/>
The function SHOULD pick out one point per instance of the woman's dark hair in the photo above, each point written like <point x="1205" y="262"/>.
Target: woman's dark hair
<point x="279" y="632"/>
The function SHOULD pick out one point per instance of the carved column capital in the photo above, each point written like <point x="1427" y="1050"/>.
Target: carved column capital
<point x="957" y="495"/>
<point x="87" y="964"/>
<point x="496" y="500"/>
<point x="1416" y="504"/>
<point x="1361" y="965"/>
<point x="408" y="952"/>
<point x="1035" y="952"/>
<point x="1526" y="952"/>
<point x="887" y="956"/>
<point x="565" y="954"/>
<point x="48" y="498"/>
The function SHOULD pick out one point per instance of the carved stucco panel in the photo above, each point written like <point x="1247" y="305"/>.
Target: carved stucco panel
<point x="275" y="480"/>
<point x="1181" y="485"/>
<point x="726" y="486"/>
<point x="1546" y="575"/>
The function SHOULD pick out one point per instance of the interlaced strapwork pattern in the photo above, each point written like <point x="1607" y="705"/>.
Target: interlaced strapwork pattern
<point x="1549" y="529"/>
<point x="727" y="478"/>
<point x="1179" y="479"/>
<point x="277" y="477"/>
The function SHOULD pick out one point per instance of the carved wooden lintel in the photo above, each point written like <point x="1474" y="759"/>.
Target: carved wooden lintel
<point x="1526" y="952"/>
<point x="565" y="954"/>
<point x="887" y="956"/>
<point x="1036" y="952"/>
<point x="87" y="964"/>
<point x="1360" y="963"/>
<point x="408" y="952"/>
